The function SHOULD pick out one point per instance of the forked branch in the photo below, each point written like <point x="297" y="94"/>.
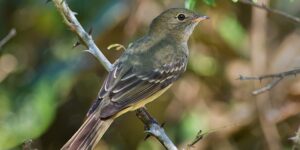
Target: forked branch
<point x="276" y="78"/>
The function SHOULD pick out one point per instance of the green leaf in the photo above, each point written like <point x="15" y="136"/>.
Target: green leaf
<point x="191" y="124"/>
<point x="202" y="64"/>
<point x="190" y="4"/>
<point x="37" y="112"/>
<point x="210" y="2"/>
<point x="36" y="105"/>
<point x="233" y="33"/>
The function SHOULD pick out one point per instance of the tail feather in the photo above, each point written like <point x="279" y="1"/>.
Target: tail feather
<point x="89" y="134"/>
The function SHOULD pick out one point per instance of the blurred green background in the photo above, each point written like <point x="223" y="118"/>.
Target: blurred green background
<point x="46" y="86"/>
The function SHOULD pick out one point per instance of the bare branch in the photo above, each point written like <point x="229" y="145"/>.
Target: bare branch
<point x="152" y="127"/>
<point x="73" y="23"/>
<point x="276" y="78"/>
<point x="267" y="87"/>
<point x="69" y="17"/>
<point x="9" y="36"/>
<point x="274" y="11"/>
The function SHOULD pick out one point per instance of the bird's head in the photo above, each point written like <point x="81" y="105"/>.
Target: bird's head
<point x="176" y="22"/>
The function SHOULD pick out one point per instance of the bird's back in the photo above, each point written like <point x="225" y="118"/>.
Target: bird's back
<point x="149" y="53"/>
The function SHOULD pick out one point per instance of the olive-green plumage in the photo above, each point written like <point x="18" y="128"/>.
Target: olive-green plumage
<point x="144" y="71"/>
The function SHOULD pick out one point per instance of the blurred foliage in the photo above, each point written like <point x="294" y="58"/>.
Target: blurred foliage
<point x="210" y="2"/>
<point x="231" y="30"/>
<point x="46" y="86"/>
<point x="190" y="4"/>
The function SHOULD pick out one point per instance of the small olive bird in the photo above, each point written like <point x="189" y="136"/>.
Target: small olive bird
<point x="146" y="69"/>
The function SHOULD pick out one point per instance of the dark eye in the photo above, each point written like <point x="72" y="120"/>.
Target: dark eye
<point x="181" y="17"/>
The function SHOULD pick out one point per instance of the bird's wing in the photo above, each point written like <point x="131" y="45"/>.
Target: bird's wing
<point x="125" y="86"/>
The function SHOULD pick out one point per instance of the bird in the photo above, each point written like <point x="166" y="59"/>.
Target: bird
<point x="145" y="70"/>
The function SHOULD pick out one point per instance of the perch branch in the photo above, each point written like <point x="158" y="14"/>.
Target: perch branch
<point x="152" y="127"/>
<point x="86" y="39"/>
<point x="276" y="78"/>
<point x="274" y="11"/>
<point x="10" y="35"/>
<point x="70" y="19"/>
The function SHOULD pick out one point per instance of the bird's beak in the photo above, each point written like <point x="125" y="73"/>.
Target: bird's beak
<point x="201" y="18"/>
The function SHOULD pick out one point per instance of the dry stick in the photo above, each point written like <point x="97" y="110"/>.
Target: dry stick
<point x="152" y="127"/>
<point x="259" y="65"/>
<point x="144" y="116"/>
<point x="276" y="78"/>
<point x="73" y="23"/>
<point x="274" y="11"/>
<point x="10" y="35"/>
<point x="279" y="76"/>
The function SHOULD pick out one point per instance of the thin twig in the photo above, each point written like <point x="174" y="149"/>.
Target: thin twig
<point x="152" y="127"/>
<point x="274" y="11"/>
<point x="69" y="17"/>
<point x="267" y="87"/>
<point x="198" y="137"/>
<point x="9" y="36"/>
<point x="276" y="78"/>
<point x="201" y="135"/>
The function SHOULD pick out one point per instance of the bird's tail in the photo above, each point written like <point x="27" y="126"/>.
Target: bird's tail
<point x="89" y="134"/>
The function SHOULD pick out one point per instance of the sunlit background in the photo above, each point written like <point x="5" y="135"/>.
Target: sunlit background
<point x="47" y="86"/>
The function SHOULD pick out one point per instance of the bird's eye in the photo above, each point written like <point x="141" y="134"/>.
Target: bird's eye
<point x="181" y="17"/>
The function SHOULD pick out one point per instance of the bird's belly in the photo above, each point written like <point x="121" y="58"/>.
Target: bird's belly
<point x="142" y="103"/>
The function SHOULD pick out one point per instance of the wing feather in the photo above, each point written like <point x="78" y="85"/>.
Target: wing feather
<point x="125" y="86"/>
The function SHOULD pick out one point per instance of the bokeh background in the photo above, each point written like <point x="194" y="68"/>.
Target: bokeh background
<point x="47" y="86"/>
